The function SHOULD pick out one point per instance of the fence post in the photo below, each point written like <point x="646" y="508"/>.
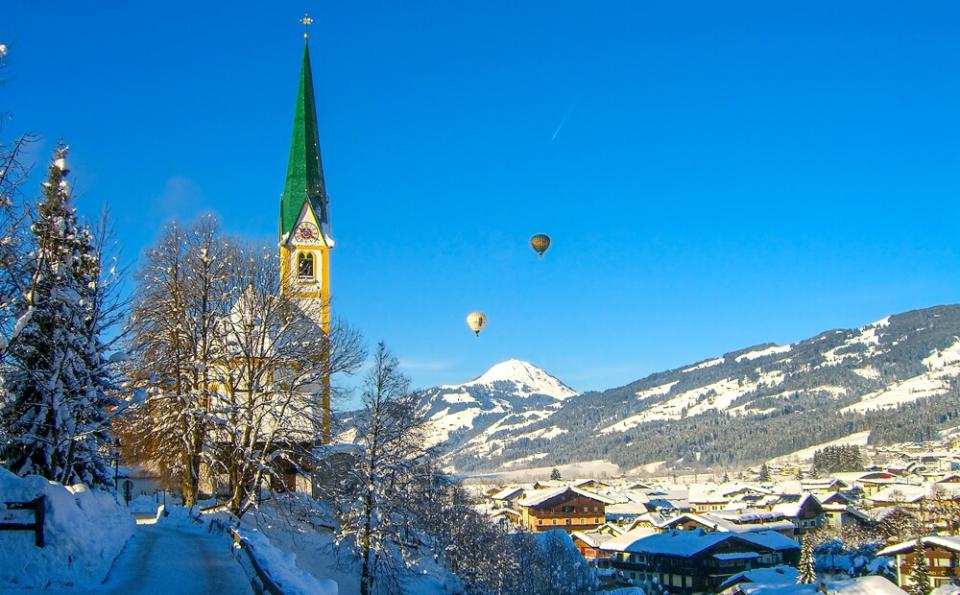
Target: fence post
<point x="39" y="512"/>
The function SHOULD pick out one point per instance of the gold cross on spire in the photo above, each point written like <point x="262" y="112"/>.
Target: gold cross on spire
<point x="307" y="21"/>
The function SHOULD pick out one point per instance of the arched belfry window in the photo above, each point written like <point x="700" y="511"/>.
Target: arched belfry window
<point x="305" y="266"/>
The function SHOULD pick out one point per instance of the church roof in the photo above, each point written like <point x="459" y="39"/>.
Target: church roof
<point x="304" y="170"/>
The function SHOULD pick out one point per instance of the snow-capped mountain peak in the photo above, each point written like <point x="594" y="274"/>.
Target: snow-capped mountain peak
<point x="529" y="379"/>
<point x="508" y="396"/>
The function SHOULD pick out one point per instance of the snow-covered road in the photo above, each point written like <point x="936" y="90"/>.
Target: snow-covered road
<point x="174" y="556"/>
<point x="164" y="558"/>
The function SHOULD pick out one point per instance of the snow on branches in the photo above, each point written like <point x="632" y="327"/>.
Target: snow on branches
<point x="59" y="380"/>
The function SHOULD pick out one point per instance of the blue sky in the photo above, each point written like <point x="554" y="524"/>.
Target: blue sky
<point x="713" y="174"/>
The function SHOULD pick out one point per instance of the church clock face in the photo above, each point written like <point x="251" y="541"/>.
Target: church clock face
<point x="307" y="233"/>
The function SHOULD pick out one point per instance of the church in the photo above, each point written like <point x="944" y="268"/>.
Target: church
<point x="305" y="241"/>
<point x="287" y="422"/>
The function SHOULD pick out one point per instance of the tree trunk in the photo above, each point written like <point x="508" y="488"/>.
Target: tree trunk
<point x="190" y="480"/>
<point x="366" y="576"/>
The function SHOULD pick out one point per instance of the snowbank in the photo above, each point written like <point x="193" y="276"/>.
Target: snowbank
<point x="84" y="529"/>
<point x="144" y="505"/>
<point x="299" y="529"/>
<point x="282" y="568"/>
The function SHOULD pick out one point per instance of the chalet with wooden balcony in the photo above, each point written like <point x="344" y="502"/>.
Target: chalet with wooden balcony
<point x="943" y="559"/>
<point x="567" y="508"/>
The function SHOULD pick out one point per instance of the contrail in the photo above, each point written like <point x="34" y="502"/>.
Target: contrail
<point x="566" y="117"/>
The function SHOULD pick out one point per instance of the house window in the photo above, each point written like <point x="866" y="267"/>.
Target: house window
<point x="305" y="266"/>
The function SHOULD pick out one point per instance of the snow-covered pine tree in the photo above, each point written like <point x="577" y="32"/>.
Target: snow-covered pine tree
<point x="807" y="568"/>
<point x="60" y="382"/>
<point x="555" y="475"/>
<point x="920" y="574"/>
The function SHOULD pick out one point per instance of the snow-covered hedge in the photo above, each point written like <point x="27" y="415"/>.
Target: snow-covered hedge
<point x="833" y="556"/>
<point x="84" y="529"/>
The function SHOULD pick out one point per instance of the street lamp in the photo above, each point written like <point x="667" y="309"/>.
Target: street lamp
<point x="116" y="465"/>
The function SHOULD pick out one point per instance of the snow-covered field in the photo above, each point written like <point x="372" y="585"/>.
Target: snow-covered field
<point x="704" y="364"/>
<point x="718" y="395"/>
<point x="942" y="367"/>
<point x="806" y="454"/>
<point x="751" y="355"/>
<point x="598" y="468"/>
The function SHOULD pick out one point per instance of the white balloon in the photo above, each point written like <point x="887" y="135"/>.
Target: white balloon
<point x="476" y="321"/>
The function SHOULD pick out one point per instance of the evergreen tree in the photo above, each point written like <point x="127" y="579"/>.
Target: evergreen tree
<point x="555" y="474"/>
<point x="60" y="383"/>
<point x="764" y="473"/>
<point x="832" y="459"/>
<point x="807" y="569"/>
<point x="726" y="477"/>
<point x="920" y="575"/>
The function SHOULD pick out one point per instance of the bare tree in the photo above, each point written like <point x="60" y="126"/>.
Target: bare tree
<point x="273" y="359"/>
<point x="15" y="241"/>
<point x="181" y="294"/>
<point x="899" y="524"/>
<point x="391" y="430"/>
<point x="231" y="365"/>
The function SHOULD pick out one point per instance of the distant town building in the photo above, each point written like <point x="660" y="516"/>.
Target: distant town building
<point x="567" y="508"/>
<point x="693" y="562"/>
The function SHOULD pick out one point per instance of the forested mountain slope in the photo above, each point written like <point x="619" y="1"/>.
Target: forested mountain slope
<point x="895" y="377"/>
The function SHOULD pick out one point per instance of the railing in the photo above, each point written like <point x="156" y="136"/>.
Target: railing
<point x="243" y="551"/>
<point x="37" y="506"/>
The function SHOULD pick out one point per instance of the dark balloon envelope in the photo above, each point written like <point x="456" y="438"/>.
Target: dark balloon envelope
<point x="540" y="243"/>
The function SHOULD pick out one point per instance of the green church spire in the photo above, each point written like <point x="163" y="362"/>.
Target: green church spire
<point x="304" y="170"/>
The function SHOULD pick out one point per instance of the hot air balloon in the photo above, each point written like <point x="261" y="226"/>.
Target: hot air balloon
<point x="540" y="243"/>
<point x="476" y="321"/>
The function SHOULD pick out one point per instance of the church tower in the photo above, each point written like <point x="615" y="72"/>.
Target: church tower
<point x="305" y="240"/>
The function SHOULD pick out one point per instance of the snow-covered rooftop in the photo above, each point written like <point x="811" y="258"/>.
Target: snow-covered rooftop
<point x="778" y="575"/>
<point x="507" y="493"/>
<point x="949" y="542"/>
<point x="864" y="585"/>
<point x="689" y="543"/>
<point x="541" y="496"/>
